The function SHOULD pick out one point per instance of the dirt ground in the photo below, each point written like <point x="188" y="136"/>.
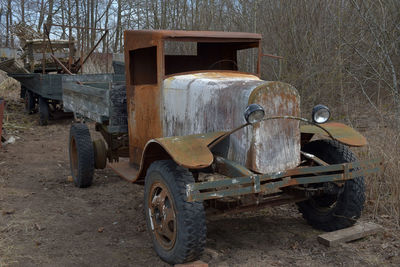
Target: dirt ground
<point x="46" y="221"/>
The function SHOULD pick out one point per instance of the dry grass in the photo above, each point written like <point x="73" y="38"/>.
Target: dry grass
<point x="14" y="118"/>
<point x="383" y="191"/>
<point x="9" y="87"/>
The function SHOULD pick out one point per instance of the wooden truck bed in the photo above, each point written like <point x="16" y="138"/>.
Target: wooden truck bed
<point x="98" y="97"/>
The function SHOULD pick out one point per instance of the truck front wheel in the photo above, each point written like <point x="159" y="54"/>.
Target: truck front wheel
<point x="177" y="227"/>
<point x="81" y="156"/>
<point x="331" y="212"/>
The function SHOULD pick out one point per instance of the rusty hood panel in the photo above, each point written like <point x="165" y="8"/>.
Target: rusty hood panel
<point x="189" y="151"/>
<point x="340" y="132"/>
<point x="215" y="101"/>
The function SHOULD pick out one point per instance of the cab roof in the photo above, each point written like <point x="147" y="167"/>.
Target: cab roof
<point x="201" y="36"/>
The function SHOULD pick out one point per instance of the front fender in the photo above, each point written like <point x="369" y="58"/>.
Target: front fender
<point x="338" y="131"/>
<point x="190" y="151"/>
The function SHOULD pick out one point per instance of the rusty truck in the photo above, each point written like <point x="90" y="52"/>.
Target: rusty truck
<point x="206" y="137"/>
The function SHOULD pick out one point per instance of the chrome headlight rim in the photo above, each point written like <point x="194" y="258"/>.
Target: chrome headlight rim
<point x="320" y="114"/>
<point x="254" y="113"/>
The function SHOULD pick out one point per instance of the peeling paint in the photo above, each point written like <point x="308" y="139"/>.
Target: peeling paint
<point x="275" y="182"/>
<point x="215" y="101"/>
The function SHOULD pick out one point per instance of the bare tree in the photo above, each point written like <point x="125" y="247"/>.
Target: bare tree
<point x="41" y="16"/>
<point x="8" y="24"/>
<point x="23" y="11"/>
<point x="118" y="26"/>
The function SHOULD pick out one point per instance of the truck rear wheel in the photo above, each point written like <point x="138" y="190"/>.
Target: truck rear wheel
<point x="29" y="100"/>
<point x="43" y="111"/>
<point x="177" y="227"/>
<point x="81" y="156"/>
<point x="331" y="212"/>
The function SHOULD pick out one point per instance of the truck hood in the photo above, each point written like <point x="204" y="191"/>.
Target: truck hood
<point x="215" y="101"/>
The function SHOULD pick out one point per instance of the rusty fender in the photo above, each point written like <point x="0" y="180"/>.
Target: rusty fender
<point x="274" y="182"/>
<point x="190" y="151"/>
<point x="338" y="131"/>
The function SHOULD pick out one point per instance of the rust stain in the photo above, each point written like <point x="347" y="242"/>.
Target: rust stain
<point x="144" y="122"/>
<point x="292" y="182"/>
<point x="144" y="97"/>
<point x="209" y="102"/>
<point x="275" y="182"/>
<point x="275" y="145"/>
<point x="197" y="35"/>
<point x="190" y="151"/>
<point x="230" y="168"/>
<point x="340" y="132"/>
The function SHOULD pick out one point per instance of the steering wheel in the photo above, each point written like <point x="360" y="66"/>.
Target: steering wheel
<point x="223" y="60"/>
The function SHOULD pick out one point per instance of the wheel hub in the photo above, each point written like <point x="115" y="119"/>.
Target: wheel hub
<point x="162" y="215"/>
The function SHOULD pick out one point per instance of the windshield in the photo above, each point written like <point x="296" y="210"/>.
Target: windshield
<point x="201" y="56"/>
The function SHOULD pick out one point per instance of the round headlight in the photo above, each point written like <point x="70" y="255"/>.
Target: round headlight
<point x="254" y="113"/>
<point x="320" y="114"/>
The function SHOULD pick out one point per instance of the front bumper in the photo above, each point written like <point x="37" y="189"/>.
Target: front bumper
<point x="274" y="182"/>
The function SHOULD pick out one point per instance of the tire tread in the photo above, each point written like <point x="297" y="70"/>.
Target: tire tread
<point x="194" y="232"/>
<point x="85" y="152"/>
<point x="350" y="202"/>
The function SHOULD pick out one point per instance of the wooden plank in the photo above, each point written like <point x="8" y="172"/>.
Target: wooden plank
<point x="192" y="264"/>
<point x="360" y="230"/>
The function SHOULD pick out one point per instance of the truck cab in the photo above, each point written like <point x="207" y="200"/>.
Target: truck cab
<point x="156" y="60"/>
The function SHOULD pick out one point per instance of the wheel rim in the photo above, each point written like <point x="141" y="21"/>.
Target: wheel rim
<point x="162" y="215"/>
<point x="100" y="154"/>
<point x="73" y="157"/>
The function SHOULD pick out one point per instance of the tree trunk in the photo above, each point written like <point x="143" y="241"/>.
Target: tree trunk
<point x="63" y="33"/>
<point x="49" y="20"/>
<point x="105" y="40"/>
<point x="118" y="28"/>
<point x="7" y="28"/>
<point x="87" y="25"/>
<point x="78" y="22"/>
<point x="71" y="47"/>
<point x="92" y="24"/>
<point x="138" y="15"/>
<point x="8" y="23"/>
<point x="41" y="16"/>
<point x="23" y="11"/>
<point x="147" y="14"/>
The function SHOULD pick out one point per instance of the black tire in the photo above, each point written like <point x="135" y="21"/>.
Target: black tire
<point x="334" y="212"/>
<point x="29" y="102"/>
<point x="81" y="156"/>
<point x="189" y="217"/>
<point x="43" y="111"/>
